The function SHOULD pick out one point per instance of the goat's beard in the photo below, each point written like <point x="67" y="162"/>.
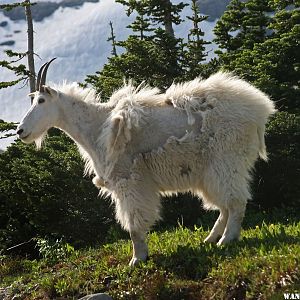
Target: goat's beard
<point x="40" y="140"/>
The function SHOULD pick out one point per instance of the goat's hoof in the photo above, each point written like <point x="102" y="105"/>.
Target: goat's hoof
<point x="137" y="261"/>
<point x="220" y="243"/>
<point x="226" y="240"/>
<point x="211" y="239"/>
<point x="134" y="262"/>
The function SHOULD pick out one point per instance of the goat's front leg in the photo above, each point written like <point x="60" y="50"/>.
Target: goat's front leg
<point x="137" y="209"/>
<point x="140" y="248"/>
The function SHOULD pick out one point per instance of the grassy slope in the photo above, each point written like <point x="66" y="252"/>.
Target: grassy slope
<point x="263" y="265"/>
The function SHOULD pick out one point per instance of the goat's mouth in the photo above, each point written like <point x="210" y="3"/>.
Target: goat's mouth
<point x="23" y="138"/>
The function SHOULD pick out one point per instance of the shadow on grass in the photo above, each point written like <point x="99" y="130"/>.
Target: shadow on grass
<point x="255" y="216"/>
<point x="194" y="263"/>
<point x="206" y="219"/>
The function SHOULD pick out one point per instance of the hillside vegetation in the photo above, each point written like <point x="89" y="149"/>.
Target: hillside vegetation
<point x="262" y="265"/>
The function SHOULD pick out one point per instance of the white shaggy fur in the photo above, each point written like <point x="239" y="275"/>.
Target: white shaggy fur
<point x="200" y="136"/>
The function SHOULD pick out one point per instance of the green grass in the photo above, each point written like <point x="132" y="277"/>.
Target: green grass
<point x="262" y="265"/>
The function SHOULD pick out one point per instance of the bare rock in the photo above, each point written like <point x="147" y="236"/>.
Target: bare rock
<point x="99" y="296"/>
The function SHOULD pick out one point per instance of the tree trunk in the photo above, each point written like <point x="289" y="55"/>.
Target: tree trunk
<point x="30" y="53"/>
<point x="168" y="17"/>
<point x="112" y="38"/>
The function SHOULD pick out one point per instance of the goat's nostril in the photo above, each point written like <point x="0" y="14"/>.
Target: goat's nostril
<point x="20" y="131"/>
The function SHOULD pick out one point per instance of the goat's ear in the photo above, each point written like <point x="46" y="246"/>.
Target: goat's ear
<point x="52" y="92"/>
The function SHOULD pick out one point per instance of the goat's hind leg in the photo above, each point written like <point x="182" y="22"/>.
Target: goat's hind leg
<point x="236" y="212"/>
<point x="219" y="227"/>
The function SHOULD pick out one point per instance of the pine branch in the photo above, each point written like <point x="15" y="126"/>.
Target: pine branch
<point x="7" y="135"/>
<point x="5" y="126"/>
<point x="11" y="54"/>
<point x="19" y="70"/>
<point x="6" y="84"/>
<point x="9" y="7"/>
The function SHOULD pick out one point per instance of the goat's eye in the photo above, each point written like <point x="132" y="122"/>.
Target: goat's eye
<point x="41" y="100"/>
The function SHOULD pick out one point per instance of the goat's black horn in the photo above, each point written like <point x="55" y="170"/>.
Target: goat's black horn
<point x="38" y="80"/>
<point x="44" y="74"/>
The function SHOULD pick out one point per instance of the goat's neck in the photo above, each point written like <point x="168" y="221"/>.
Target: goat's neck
<point x="82" y="122"/>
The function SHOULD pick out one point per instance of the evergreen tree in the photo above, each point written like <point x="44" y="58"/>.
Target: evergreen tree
<point x="228" y="25"/>
<point x="143" y="60"/>
<point x="255" y="22"/>
<point x="148" y="57"/>
<point x="164" y="12"/>
<point x="158" y="11"/>
<point x="196" y="53"/>
<point x="242" y="25"/>
<point x="268" y="54"/>
<point x="20" y="70"/>
<point x="141" y="24"/>
<point x="279" y="56"/>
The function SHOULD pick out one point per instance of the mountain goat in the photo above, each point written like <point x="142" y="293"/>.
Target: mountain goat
<point x="201" y="136"/>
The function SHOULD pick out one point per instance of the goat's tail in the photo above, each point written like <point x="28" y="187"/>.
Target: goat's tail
<point x="267" y="110"/>
<point x="262" y="151"/>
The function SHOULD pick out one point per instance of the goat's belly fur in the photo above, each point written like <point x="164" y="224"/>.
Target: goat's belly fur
<point x="177" y="166"/>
